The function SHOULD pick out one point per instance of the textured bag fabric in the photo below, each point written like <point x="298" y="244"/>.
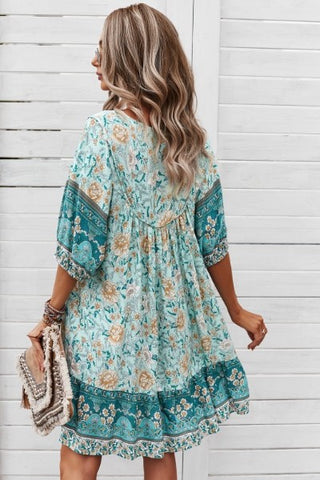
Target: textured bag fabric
<point x="47" y="393"/>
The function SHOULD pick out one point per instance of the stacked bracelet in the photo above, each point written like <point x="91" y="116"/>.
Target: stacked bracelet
<point x="52" y="314"/>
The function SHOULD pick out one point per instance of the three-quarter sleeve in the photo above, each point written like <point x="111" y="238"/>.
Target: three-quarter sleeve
<point x="210" y="224"/>
<point x="83" y="218"/>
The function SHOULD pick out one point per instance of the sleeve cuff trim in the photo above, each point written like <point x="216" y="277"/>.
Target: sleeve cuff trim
<point x="219" y="252"/>
<point x="64" y="258"/>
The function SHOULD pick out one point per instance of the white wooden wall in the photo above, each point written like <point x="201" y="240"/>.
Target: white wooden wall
<point x="268" y="148"/>
<point x="269" y="109"/>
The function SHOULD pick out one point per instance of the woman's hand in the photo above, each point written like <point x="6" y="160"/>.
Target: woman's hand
<point x="35" y="335"/>
<point x="253" y="323"/>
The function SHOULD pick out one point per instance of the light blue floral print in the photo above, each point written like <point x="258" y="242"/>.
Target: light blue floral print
<point x="151" y="360"/>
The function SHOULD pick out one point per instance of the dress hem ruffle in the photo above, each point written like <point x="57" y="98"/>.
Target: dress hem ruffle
<point x="89" y="445"/>
<point x="138" y="424"/>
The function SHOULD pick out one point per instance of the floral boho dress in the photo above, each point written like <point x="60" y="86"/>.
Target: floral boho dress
<point x="153" y="367"/>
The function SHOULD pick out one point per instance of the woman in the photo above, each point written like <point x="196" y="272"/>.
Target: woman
<point x="141" y="239"/>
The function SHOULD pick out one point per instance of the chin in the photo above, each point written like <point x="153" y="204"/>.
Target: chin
<point x="103" y="86"/>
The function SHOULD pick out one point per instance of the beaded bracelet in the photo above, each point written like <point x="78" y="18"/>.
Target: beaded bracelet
<point x="52" y="314"/>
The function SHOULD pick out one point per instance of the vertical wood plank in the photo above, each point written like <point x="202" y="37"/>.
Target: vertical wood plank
<point x="182" y="18"/>
<point x="206" y="53"/>
<point x="205" y="63"/>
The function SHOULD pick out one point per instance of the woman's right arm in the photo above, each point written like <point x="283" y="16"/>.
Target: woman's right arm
<point x="221" y="274"/>
<point x="212" y="234"/>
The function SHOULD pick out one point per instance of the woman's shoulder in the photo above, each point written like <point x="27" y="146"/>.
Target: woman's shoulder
<point x="105" y="117"/>
<point x="207" y="171"/>
<point x="113" y="123"/>
<point x="204" y="163"/>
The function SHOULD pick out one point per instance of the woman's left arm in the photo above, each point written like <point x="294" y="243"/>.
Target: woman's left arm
<point x="62" y="287"/>
<point x="253" y="323"/>
<point x="82" y="223"/>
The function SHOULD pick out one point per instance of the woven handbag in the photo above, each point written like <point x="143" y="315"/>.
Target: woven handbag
<point x="48" y="393"/>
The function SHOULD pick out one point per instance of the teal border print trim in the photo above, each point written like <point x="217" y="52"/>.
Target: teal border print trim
<point x="81" y="232"/>
<point x="131" y="424"/>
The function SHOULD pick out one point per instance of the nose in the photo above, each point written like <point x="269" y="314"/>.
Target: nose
<point x="94" y="62"/>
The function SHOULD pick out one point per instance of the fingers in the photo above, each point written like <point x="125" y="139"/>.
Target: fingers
<point x="35" y="336"/>
<point x="257" y="340"/>
<point x="259" y="333"/>
<point x="37" y="330"/>
<point x="35" y="341"/>
<point x="38" y="352"/>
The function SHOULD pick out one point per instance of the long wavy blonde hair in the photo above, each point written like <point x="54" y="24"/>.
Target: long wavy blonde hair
<point x="143" y="64"/>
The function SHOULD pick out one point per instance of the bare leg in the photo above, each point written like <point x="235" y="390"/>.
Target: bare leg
<point x="74" y="466"/>
<point x="160" y="468"/>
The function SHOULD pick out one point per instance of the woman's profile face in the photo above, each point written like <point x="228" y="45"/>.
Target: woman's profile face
<point x="96" y="63"/>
